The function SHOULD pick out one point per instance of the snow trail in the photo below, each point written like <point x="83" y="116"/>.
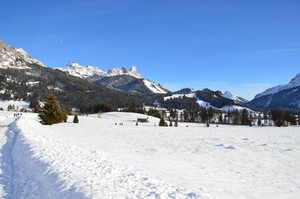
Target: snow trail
<point x="8" y="138"/>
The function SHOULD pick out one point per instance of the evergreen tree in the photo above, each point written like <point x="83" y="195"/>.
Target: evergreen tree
<point x="65" y="113"/>
<point x="35" y="105"/>
<point x="245" y="117"/>
<point x="51" y="112"/>
<point x="75" y="120"/>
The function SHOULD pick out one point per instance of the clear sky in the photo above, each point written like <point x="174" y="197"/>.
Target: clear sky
<point x="243" y="46"/>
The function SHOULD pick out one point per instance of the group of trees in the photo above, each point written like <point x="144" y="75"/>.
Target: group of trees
<point x="282" y="117"/>
<point x="52" y="113"/>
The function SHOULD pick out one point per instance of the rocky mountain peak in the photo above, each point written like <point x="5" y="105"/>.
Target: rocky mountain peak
<point x="133" y="72"/>
<point x="15" y="57"/>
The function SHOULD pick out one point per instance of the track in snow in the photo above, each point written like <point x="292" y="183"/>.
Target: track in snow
<point x="8" y="139"/>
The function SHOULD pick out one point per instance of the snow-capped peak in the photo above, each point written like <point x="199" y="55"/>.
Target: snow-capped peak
<point x="78" y="70"/>
<point x="235" y="98"/>
<point x="295" y="82"/>
<point x="15" y="57"/>
<point x="228" y="95"/>
<point x="133" y="72"/>
<point x="117" y="71"/>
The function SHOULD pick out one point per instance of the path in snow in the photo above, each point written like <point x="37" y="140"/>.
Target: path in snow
<point x="7" y="142"/>
<point x="21" y="174"/>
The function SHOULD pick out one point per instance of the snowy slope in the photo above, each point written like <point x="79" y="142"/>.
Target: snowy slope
<point x="155" y="88"/>
<point x="295" y="82"/>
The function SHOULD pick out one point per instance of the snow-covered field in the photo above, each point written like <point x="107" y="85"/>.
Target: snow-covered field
<point x="99" y="159"/>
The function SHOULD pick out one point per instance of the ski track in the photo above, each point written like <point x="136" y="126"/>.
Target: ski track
<point x="40" y="166"/>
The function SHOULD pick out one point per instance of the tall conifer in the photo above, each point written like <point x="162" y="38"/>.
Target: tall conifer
<point x="51" y="112"/>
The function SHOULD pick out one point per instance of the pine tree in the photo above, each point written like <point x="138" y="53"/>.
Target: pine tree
<point x="51" y="112"/>
<point x="245" y="117"/>
<point x="75" y="120"/>
<point x="35" y="105"/>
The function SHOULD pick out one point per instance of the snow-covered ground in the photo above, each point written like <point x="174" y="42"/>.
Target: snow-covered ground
<point x="99" y="159"/>
<point x="17" y="104"/>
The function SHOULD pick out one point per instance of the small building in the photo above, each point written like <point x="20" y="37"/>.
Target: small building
<point x="142" y="120"/>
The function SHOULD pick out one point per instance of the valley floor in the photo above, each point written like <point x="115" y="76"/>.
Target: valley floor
<point x="99" y="158"/>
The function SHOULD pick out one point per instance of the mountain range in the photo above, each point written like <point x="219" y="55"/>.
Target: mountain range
<point x="23" y="77"/>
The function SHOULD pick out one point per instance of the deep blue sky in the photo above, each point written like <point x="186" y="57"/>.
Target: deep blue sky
<point x="243" y="46"/>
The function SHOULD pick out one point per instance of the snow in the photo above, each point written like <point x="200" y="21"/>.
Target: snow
<point x="204" y="104"/>
<point x="155" y="88"/>
<point x="295" y="82"/>
<point x="32" y="83"/>
<point x="18" y="104"/>
<point x="98" y="159"/>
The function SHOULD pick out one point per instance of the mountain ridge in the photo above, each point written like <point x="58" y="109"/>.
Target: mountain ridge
<point x="295" y="82"/>
<point x="282" y="96"/>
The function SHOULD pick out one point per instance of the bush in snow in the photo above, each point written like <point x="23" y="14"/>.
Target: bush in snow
<point x="75" y="120"/>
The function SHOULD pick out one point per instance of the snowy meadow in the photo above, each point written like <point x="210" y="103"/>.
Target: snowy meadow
<point x="99" y="158"/>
